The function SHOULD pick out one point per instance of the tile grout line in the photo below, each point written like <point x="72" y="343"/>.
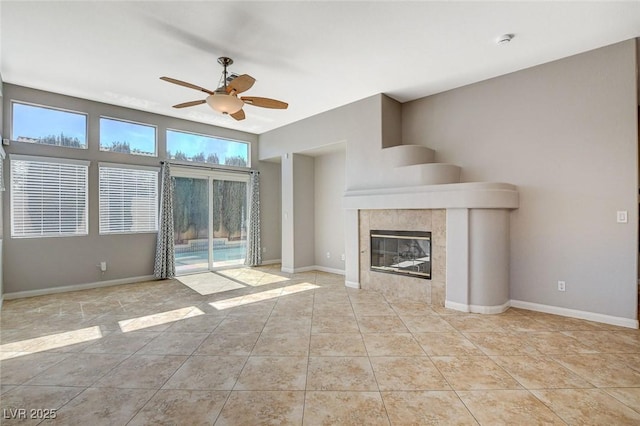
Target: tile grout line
<point x="445" y="377"/>
<point x="553" y="326"/>
<point x="306" y="378"/>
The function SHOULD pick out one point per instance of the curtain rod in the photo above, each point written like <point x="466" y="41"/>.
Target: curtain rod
<point x="201" y="166"/>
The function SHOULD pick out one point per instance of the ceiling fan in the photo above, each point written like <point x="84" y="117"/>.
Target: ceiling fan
<point x="225" y="98"/>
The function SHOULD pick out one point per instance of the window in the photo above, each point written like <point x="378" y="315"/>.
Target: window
<point x="48" y="197"/>
<point x="197" y="148"/>
<point x="48" y="126"/>
<point x="128" y="199"/>
<point x="127" y="137"/>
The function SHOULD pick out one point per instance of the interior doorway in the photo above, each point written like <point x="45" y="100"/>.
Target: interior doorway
<point x="209" y="218"/>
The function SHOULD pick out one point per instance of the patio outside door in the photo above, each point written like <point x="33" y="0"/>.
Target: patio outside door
<point x="210" y="220"/>
<point x="229" y="245"/>
<point x="191" y="224"/>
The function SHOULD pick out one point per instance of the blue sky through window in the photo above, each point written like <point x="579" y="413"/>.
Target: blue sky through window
<point x="33" y="123"/>
<point x="192" y="144"/>
<point x="140" y="138"/>
<point x="36" y="124"/>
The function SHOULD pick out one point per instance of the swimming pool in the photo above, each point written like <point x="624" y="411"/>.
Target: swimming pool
<point x="195" y="256"/>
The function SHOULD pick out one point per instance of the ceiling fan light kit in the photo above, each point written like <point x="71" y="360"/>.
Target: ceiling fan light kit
<point x="226" y="104"/>
<point x="225" y="98"/>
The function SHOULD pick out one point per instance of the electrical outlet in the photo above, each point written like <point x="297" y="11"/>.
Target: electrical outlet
<point x="328" y="255"/>
<point x="342" y="257"/>
<point x="103" y="266"/>
<point x="622" y="216"/>
<point x="264" y="249"/>
<point x="561" y="286"/>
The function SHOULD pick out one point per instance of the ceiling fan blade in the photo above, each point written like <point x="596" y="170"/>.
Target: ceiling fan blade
<point x="240" y="84"/>
<point x="185" y="84"/>
<point x="189" y="104"/>
<point x="264" y="102"/>
<point x="238" y="115"/>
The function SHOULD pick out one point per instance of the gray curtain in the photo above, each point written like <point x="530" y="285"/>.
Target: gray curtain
<point x="254" y="252"/>
<point x="165" y="266"/>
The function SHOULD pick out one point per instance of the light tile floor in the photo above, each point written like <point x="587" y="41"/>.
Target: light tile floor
<point x="257" y="346"/>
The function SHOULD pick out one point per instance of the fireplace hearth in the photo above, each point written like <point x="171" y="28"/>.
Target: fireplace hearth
<point x="401" y="252"/>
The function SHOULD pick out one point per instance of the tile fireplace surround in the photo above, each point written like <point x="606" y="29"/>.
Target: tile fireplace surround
<point x="397" y="287"/>
<point x="469" y="223"/>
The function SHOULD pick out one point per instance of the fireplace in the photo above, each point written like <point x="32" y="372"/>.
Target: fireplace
<point x="401" y="252"/>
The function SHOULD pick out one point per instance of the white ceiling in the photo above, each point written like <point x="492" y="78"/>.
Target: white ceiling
<point x="314" y="55"/>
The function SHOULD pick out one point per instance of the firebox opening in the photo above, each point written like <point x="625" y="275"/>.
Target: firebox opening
<point x="401" y="252"/>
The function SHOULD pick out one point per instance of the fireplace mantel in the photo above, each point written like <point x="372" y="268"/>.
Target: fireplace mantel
<point x="477" y="237"/>
<point x="476" y="195"/>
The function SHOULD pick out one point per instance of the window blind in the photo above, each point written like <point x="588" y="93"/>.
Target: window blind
<point x="48" y="197"/>
<point x="128" y="199"/>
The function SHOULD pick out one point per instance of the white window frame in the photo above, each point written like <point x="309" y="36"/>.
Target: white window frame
<point x="155" y="170"/>
<point x="50" y="160"/>
<point x="3" y="155"/>
<point x="31" y="104"/>
<point x="155" y="136"/>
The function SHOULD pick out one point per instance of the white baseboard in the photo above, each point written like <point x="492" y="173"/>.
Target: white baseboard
<point x="312" y="268"/>
<point x="573" y="313"/>
<point x="477" y="309"/>
<point x="498" y="309"/>
<point x="565" y="312"/>
<point x="76" y="287"/>
<point x="456" y="306"/>
<point x="304" y="269"/>
<point x="352" y="284"/>
<point x="329" y="270"/>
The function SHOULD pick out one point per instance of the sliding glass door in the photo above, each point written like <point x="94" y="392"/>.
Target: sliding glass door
<point x="229" y="222"/>
<point x="210" y="219"/>
<point x="191" y="223"/>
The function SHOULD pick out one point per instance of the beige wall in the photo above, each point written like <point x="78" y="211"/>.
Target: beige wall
<point x="391" y="116"/>
<point x="358" y="121"/>
<point x="566" y="134"/>
<point x="297" y="212"/>
<point x="358" y="125"/>
<point x="329" y="182"/>
<point x="303" y="211"/>
<point x="270" y="210"/>
<point x="41" y="263"/>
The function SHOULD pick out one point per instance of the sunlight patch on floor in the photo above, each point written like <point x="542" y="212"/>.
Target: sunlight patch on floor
<point x="208" y="283"/>
<point x="52" y="341"/>
<point x="262" y="296"/>
<point x="160" y="318"/>
<point x="253" y="277"/>
<point x="271" y="279"/>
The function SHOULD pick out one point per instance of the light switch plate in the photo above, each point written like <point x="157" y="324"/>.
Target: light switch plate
<point x="622" y="216"/>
